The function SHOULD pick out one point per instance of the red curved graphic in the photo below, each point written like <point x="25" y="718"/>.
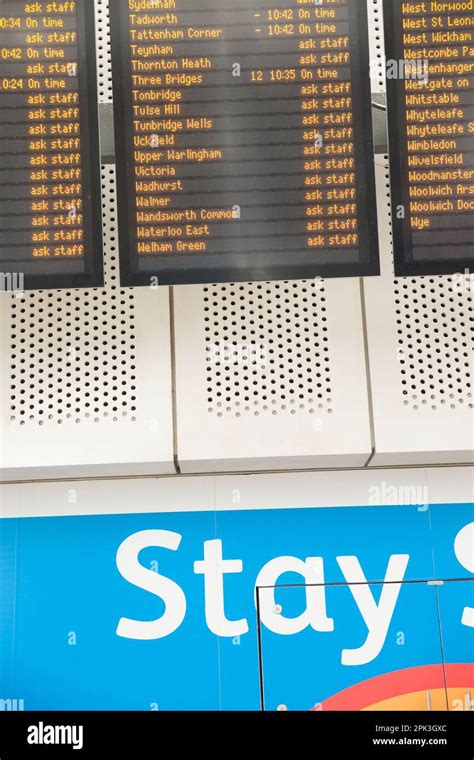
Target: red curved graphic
<point x="400" y="683"/>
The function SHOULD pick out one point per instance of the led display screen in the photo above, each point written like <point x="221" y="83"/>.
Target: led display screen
<point x="50" y="203"/>
<point x="244" y="140"/>
<point x="430" y="86"/>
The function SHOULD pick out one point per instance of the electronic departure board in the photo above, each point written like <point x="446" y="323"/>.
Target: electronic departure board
<point x="430" y="86"/>
<point x="50" y="200"/>
<point x="244" y="140"/>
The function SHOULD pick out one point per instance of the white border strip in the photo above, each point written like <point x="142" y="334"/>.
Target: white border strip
<point x="232" y="492"/>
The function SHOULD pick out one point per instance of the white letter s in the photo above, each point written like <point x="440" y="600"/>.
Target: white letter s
<point x="172" y="594"/>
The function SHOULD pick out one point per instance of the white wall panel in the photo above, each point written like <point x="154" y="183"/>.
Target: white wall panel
<point x="421" y="360"/>
<point x="352" y="488"/>
<point x="270" y="375"/>
<point x="104" y="497"/>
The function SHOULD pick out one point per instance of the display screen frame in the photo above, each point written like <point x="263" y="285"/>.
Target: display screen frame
<point x="93" y="274"/>
<point x="404" y="263"/>
<point x="175" y="269"/>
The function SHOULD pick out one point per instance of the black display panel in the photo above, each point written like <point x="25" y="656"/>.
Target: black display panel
<point x="243" y="140"/>
<point x="430" y="92"/>
<point x="50" y="198"/>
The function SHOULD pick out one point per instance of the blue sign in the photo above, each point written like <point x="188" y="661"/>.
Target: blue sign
<point x="158" y="611"/>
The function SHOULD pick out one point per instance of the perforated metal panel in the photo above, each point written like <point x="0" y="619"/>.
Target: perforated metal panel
<point x="104" y="65"/>
<point x="376" y="46"/>
<point x="86" y="375"/>
<point x="267" y="349"/>
<point x="270" y="375"/>
<point x="421" y="359"/>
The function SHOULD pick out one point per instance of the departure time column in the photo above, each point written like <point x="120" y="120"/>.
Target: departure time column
<point x="41" y="203"/>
